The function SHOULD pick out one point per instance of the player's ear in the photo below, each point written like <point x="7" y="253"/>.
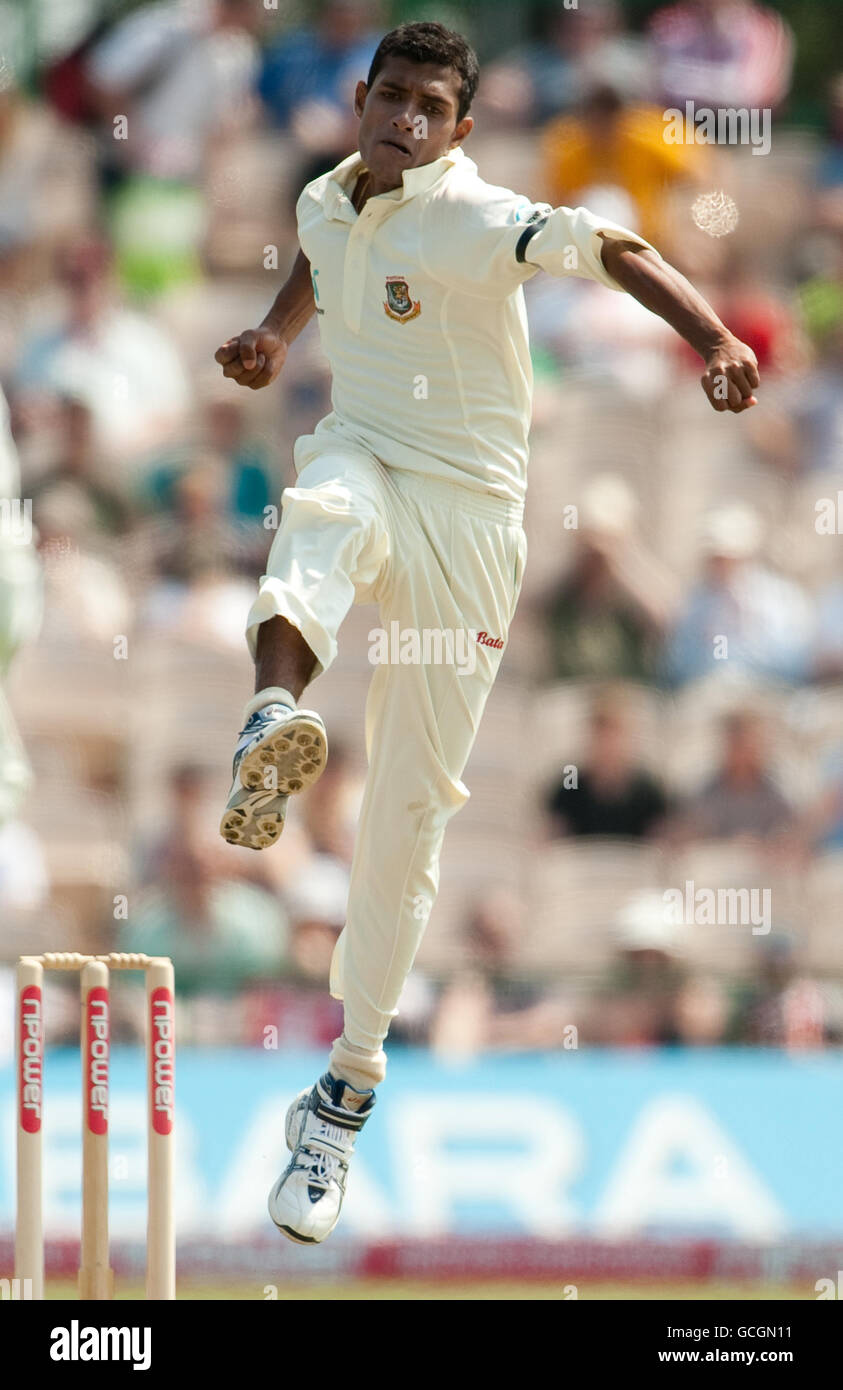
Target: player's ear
<point x="461" y="130"/>
<point x="361" y="91"/>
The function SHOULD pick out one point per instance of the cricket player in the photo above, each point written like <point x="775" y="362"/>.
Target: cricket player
<point x="410" y="494"/>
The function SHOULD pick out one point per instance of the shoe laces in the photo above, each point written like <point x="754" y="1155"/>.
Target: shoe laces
<point x="322" y="1169"/>
<point x="254" y="725"/>
<point x="324" y="1154"/>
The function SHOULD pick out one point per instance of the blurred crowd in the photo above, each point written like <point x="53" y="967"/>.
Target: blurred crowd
<point x="679" y="645"/>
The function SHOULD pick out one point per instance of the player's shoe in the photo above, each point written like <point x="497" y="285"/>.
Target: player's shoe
<point x="280" y="751"/>
<point x="321" y="1126"/>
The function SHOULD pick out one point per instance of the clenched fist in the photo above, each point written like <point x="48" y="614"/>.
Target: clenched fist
<point x="253" y="358"/>
<point x="731" y="376"/>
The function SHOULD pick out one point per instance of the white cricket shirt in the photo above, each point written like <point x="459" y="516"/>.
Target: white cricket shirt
<point x="422" y="314"/>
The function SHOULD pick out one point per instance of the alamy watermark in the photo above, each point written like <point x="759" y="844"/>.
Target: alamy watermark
<point x="429" y="646"/>
<point x="719" y="907"/>
<point x="722" y="125"/>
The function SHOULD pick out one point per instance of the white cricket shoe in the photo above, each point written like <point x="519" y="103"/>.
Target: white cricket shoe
<point x="280" y="751"/>
<point x="321" y="1126"/>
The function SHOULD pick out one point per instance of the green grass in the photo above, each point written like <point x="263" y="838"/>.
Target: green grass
<point x="495" y="1290"/>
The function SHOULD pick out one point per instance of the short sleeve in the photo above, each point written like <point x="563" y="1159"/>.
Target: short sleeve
<point x="491" y="242"/>
<point x="569" y="242"/>
<point x="473" y="245"/>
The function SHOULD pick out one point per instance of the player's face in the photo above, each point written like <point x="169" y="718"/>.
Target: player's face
<point x="408" y="117"/>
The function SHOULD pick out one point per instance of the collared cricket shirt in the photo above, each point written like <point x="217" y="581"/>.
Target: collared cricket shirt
<point x="422" y="315"/>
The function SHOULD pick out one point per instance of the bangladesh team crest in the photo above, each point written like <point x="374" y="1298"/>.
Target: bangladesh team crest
<point x="399" y="303"/>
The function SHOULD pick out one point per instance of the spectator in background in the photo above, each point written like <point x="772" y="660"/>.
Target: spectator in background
<point x="815" y="397"/>
<point x="638" y="1003"/>
<point x="702" y="1012"/>
<point x="252" y="488"/>
<point x="817" y="405"/>
<point x="197" y="593"/>
<point x="76" y="469"/>
<point x="316" y="898"/>
<point x="199" y="537"/>
<point x="308" y="77"/>
<point x="492" y="1005"/>
<point x="86" y="599"/>
<point x="740" y="617"/>
<point x="114" y="361"/>
<point x="784" y="1007"/>
<point x="181" y="73"/>
<point x="606" y="617"/>
<point x="764" y="317"/>
<point x="742" y="799"/>
<point x="609" y="143"/>
<point x="417" y="1006"/>
<point x="614" y="794"/>
<point x="727" y="53"/>
<point x="803" y="432"/>
<point x="45" y="183"/>
<point x="575" y="48"/>
<point x="796" y="434"/>
<point x="225" y="436"/>
<point x="221" y="932"/>
<point x="186" y="783"/>
<point x="649" y="997"/>
<point x="298" y="1008"/>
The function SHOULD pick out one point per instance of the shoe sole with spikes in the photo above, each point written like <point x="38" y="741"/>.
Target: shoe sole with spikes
<point x="288" y="758"/>
<point x="284" y="760"/>
<point x="253" y="819"/>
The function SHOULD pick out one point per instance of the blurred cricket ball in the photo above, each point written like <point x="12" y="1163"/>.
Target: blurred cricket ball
<point x="716" y="214"/>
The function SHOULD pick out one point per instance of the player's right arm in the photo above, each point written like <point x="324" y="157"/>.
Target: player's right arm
<point x="255" y="358"/>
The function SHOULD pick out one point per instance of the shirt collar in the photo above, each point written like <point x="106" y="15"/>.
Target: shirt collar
<point x="339" y="186"/>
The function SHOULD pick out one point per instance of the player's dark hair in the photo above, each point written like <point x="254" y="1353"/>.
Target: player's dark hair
<point x="430" y="42"/>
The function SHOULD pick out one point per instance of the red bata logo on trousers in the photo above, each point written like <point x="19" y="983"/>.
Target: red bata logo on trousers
<point x="162" y="1062"/>
<point x="486" y="641"/>
<point x="97" y="1044"/>
<point x="31" y="1043"/>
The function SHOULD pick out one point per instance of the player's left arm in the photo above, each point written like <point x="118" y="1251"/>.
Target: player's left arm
<point x="731" y="368"/>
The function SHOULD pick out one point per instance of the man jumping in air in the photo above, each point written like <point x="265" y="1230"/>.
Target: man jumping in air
<point x="410" y="494"/>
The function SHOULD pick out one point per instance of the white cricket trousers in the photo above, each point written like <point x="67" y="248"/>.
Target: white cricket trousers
<point x="434" y="556"/>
